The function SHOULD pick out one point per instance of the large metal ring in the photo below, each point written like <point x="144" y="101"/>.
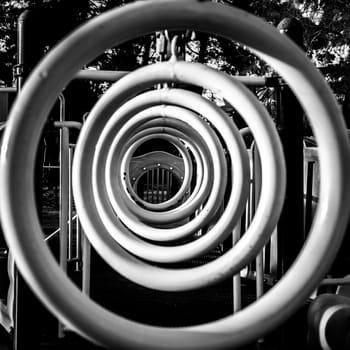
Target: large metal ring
<point x="20" y="142"/>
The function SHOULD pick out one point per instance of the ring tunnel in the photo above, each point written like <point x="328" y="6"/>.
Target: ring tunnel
<point x="164" y="224"/>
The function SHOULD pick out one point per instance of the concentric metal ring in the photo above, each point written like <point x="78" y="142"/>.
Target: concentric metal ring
<point x="137" y="141"/>
<point x="123" y="113"/>
<point x="27" y="118"/>
<point x="195" y="145"/>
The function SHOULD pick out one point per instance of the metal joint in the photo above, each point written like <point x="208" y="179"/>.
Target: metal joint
<point x="18" y="70"/>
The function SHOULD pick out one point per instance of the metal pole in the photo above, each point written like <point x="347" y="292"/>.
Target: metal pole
<point x="8" y="89"/>
<point x="26" y="333"/>
<point x="78" y="244"/>
<point x="291" y="224"/>
<point x="237" y="295"/>
<point x="70" y="203"/>
<point x="112" y="76"/>
<point x="64" y="196"/>
<point x="100" y="75"/>
<point x="86" y="264"/>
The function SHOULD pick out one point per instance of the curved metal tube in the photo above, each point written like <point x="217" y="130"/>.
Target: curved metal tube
<point x="233" y="261"/>
<point x="203" y="178"/>
<point x="164" y="134"/>
<point x="158" y="253"/>
<point x="117" y="145"/>
<point x="22" y="227"/>
<point x="219" y="179"/>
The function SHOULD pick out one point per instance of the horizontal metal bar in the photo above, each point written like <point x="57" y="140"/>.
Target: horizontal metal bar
<point x="251" y="81"/>
<point x="51" y="166"/>
<point x="68" y="124"/>
<point x="8" y="89"/>
<point x="100" y="75"/>
<point x="110" y="75"/>
<point x="342" y="281"/>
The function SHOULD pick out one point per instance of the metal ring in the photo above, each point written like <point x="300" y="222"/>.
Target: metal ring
<point x="177" y="114"/>
<point x="272" y="192"/>
<point x="159" y="253"/>
<point x="26" y="121"/>
<point x="219" y="180"/>
<point x="141" y="138"/>
<point x="203" y="177"/>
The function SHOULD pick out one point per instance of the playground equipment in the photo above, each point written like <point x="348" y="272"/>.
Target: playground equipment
<point x="109" y="211"/>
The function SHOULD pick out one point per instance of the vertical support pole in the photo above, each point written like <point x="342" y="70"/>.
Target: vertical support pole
<point x="290" y="227"/>
<point x="291" y="130"/>
<point x="86" y="265"/>
<point x="64" y="195"/>
<point x="64" y="187"/>
<point x="273" y="256"/>
<point x="4" y="105"/>
<point x="70" y="203"/>
<point x="309" y="197"/>
<point x="256" y="184"/>
<point x="259" y="266"/>
<point x="256" y="179"/>
<point x="26" y="332"/>
<point x="237" y="295"/>
<point x="6" y="273"/>
<point x="78" y="244"/>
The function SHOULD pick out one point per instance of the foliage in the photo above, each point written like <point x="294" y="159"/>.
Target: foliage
<point x="326" y="37"/>
<point x="8" y="36"/>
